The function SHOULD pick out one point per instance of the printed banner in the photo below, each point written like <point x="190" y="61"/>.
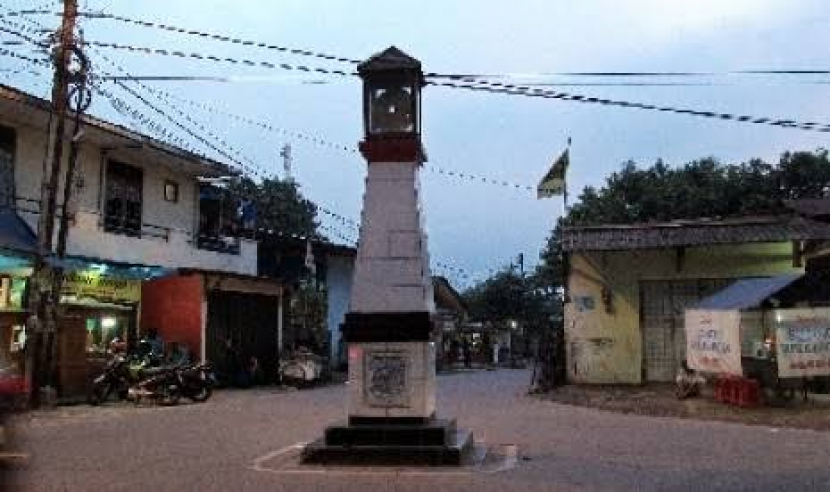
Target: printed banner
<point x="802" y="341"/>
<point x="713" y="341"/>
<point x="94" y="285"/>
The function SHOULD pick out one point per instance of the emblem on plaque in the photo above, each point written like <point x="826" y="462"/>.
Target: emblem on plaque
<point x="386" y="379"/>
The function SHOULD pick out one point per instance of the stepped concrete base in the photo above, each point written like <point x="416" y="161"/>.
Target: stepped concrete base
<point x="432" y="443"/>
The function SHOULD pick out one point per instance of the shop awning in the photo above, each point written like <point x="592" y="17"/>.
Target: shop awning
<point x="110" y="269"/>
<point x="15" y="234"/>
<point x="748" y="293"/>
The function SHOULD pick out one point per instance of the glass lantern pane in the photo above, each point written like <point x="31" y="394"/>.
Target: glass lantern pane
<point x="391" y="110"/>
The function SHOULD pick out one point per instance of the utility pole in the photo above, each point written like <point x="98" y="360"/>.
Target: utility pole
<point x="42" y="299"/>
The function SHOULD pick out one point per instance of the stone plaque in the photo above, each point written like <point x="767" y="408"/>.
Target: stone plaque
<point x="385" y="380"/>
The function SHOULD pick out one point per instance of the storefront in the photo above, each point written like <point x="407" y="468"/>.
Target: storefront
<point x="99" y="304"/>
<point x="12" y="325"/>
<point x="227" y="319"/>
<point x="17" y="248"/>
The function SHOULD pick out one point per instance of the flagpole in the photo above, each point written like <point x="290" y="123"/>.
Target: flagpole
<point x="565" y="259"/>
<point x="565" y="181"/>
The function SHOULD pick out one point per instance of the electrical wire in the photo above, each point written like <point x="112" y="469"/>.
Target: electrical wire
<point x="339" y="147"/>
<point x="219" y="37"/>
<point x="125" y="109"/>
<point x="221" y="59"/>
<point x="527" y="91"/>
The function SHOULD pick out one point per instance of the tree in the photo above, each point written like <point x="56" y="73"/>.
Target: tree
<point x="279" y="206"/>
<point x="508" y="296"/>
<point x="701" y="188"/>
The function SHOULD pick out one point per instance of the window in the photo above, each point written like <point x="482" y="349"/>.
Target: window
<point x="171" y="191"/>
<point x="219" y="220"/>
<point x="7" y="151"/>
<point x="102" y="329"/>
<point x="122" y="212"/>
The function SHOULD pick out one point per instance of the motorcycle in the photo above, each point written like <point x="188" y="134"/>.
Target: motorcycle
<point x="116" y="378"/>
<point x="197" y="382"/>
<point x="168" y="385"/>
<point x="162" y="384"/>
<point x="302" y="369"/>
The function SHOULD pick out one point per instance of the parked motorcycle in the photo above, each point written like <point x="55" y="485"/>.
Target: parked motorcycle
<point x="167" y="385"/>
<point x="197" y="382"/>
<point x="116" y="379"/>
<point x="302" y="369"/>
<point x="162" y="384"/>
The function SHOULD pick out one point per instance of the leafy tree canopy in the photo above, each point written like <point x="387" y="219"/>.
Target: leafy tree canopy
<point x="280" y="206"/>
<point x="701" y="188"/>
<point x="509" y="296"/>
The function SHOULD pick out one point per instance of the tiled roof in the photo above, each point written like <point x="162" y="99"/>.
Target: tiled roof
<point x="693" y="233"/>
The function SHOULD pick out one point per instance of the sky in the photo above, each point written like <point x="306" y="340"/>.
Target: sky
<point x="475" y="227"/>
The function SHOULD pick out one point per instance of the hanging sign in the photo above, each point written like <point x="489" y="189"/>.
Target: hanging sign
<point x="101" y="287"/>
<point x="802" y="341"/>
<point x="713" y="342"/>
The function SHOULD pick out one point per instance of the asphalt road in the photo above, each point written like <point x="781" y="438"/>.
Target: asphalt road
<point x="214" y="446"/>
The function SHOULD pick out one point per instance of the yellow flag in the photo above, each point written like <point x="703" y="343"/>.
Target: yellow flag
<point x="554" y="181"/>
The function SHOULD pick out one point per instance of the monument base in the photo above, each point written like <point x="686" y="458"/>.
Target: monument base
<point x="431" y="442"/>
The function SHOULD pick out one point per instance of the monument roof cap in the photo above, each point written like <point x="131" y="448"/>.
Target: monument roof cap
<point x="391" y="58"/>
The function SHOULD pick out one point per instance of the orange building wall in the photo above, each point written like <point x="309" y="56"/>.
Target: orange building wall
<point x="173" y="307"/>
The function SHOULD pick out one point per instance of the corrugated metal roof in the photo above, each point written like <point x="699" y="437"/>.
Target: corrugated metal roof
<point x="17" y="104"/>
<point x="748" y="293"/>
<point x="816" y="207"/>
<point x="693" y="233"/>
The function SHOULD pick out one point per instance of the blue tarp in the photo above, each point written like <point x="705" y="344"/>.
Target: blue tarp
<point x="15" y="234"/>
<point x="748" y="293"/>
<point x="112" y="269"/>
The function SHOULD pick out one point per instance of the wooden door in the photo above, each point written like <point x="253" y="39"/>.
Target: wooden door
<point x="72" y="361"/>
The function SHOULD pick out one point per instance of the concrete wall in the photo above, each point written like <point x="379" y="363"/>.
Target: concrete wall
<point x="339" y="284"/>
<point x="176" y="221"/>
<point x="606" y="347"/>
<point x="173" y="306"/>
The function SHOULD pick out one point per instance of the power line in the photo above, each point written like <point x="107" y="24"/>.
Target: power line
<point x="338" y="58"/>
<point x="339" y="147"/>
<point x="527" y="91"/>
<point x="221" y="59"/>
<point x="627" y="74"/>
<point x="220" y="37"/>
<point x="130" y="113"/>
<point x="518" y="90"/>
<point x="18" y="56"/>
<point x="474" y="84"/>
<point x="125" y="109"/>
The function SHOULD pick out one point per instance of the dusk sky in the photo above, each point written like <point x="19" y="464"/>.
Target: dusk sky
<point x="472" y="225"/>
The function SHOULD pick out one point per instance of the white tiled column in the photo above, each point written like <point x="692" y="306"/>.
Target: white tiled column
<point x="392" y="379"/>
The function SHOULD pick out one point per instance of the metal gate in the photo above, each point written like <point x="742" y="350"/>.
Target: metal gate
<point x="241" y="326"/>
<point x="662" y="306"/>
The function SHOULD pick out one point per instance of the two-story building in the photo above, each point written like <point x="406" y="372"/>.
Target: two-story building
<point x="153" y="245"/>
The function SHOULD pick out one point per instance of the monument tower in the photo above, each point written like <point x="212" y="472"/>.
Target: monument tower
<point x="389" y="326"/>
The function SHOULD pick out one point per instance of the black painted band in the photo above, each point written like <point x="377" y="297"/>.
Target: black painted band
<point x="387" y="327"/>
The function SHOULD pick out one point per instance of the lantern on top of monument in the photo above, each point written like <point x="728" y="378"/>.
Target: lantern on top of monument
<point x="392" y="82"/>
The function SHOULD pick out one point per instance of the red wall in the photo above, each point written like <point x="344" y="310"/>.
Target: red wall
<point x="173" y="307"/>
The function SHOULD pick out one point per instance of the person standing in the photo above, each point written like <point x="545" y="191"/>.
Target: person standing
<point x="465" y="350"/>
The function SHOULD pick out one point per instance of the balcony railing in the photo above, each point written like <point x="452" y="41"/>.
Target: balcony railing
<point x="228" y="243"/>
<point x="218" y="243"/>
